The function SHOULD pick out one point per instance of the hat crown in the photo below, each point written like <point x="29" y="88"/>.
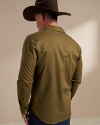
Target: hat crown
<point x="49" y="4"/>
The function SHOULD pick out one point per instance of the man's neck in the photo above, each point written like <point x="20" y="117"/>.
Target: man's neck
<point x="52" y="23"/>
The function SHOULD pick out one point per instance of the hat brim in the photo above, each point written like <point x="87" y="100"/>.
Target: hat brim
<point x="30" y="11"/>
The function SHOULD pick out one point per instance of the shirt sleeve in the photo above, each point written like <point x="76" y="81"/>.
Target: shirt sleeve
<point x="76" y="79"/>
<point x="26" y="73"/>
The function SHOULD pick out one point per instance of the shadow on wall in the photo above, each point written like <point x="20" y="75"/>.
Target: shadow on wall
<point x="84" y="27"/>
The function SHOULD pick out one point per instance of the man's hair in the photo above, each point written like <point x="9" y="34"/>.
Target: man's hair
<point x="51" y="16"/>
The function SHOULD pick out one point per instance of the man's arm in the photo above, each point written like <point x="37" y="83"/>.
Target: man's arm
<point x="76" y="80"/>
<point x="26" y="74"/>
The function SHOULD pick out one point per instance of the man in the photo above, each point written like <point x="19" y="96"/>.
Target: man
<point x="50" y="70"/>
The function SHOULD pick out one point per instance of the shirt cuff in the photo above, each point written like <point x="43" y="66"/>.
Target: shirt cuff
<point x="24" y="108"/>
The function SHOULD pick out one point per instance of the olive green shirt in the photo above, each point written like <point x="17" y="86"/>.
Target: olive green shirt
<point x="50" y="73"/>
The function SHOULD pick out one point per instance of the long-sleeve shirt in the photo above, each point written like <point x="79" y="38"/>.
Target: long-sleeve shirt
<point x="50" y="73"/>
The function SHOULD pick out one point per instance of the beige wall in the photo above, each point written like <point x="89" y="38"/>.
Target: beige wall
<point x="83" y="26"/>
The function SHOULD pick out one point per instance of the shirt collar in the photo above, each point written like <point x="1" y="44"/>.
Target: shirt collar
<point x="54" y="28"/>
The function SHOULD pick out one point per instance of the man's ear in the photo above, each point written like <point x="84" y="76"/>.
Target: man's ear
<point x="43" y="16"/>
<point x="35" y="16"/>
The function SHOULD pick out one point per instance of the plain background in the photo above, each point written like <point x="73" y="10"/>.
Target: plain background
<point x="83" y="26"/>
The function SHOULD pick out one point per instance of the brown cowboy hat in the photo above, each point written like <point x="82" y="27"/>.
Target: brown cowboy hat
<point x="42" y="6"/>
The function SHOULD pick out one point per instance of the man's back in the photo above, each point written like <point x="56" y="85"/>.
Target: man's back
<point x="57" y="73"/>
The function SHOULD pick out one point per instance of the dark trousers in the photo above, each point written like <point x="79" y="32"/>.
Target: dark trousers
<point x="34" y="120"/>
